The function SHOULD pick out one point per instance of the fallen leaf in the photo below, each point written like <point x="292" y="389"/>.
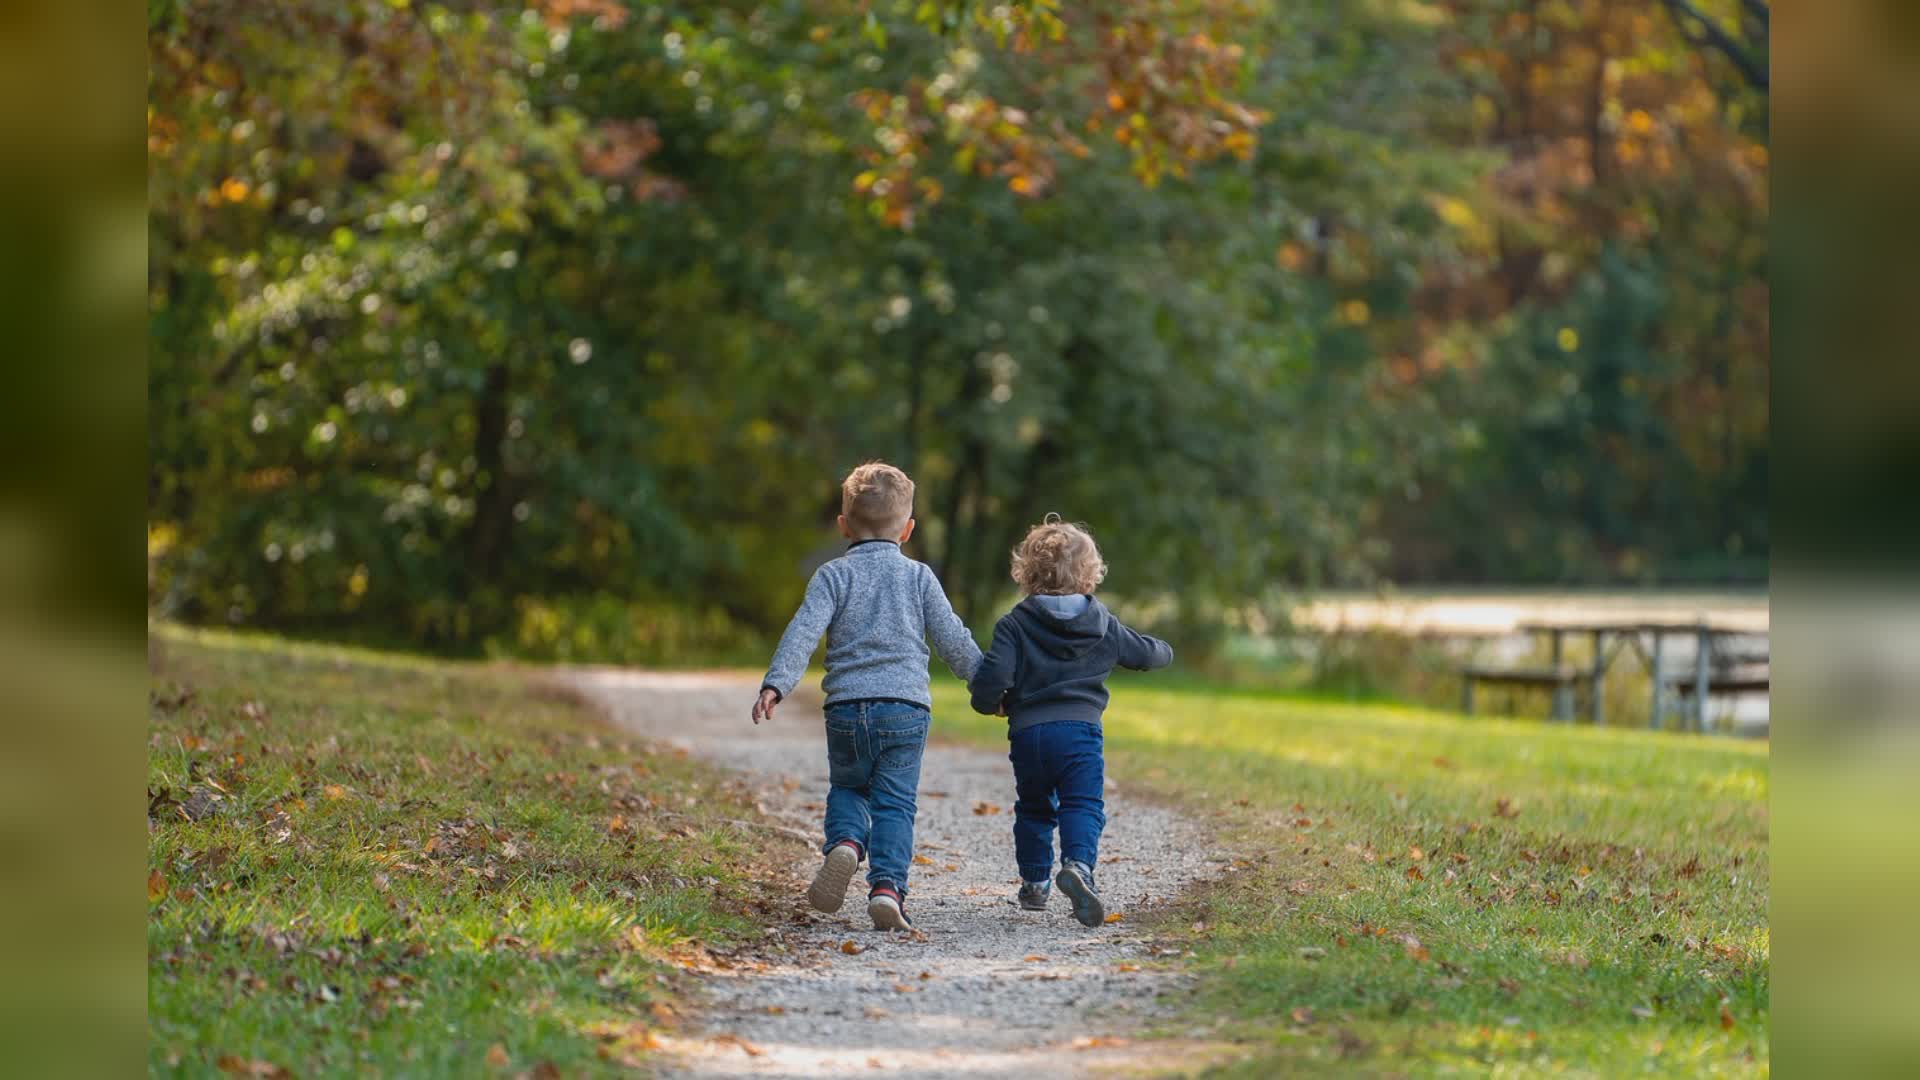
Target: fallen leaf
<point x="238" y="1066"/>
<point x="1458" y="857"/>
<point x="775" y="1010"/>
<point x="922" y="860"/>
<point x="950" y="867"/>
<point x="852" y="947"/>
<point x="1302" y="1015"/>
<point x="1726" y="1018"/>
<point x="903" y="988"/>
<point x="1416" y="854"/>
<point x="334" y="792"/>
<point x="156" y="887"/>
<point x="1505" y="808"/>
<point x="1034" y="958"/>
<point x="730" y="1039"/>
<point x="1414" y="873"/>
<point x="1113" y="916"/>
<point x="985" y="808"/>
<point x="497" y="1056"/>
<point x="1123" y="968"/>
<point x="618" y="824"/>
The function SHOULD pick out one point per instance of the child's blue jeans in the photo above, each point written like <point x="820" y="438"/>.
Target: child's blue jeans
<point x="1059" y="780"/>
<point x="873" y="765"/>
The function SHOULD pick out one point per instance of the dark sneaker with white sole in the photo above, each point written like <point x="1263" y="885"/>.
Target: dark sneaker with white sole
<point x="887" y="908"/>
<point x="829" y="888"/>
<point x="1076" y="880"/>
<point x="1034" y="895"/>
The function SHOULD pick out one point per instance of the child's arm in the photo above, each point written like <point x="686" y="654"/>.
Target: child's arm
<point x="994" y="677"/>
<point x="1141" y="652"/>
<point x="796" y="645"/>
<point x="950" y="637"/>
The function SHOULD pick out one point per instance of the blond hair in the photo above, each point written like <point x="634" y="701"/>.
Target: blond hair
<point x="877" y="500"/>
<point x="1058" y="559"/>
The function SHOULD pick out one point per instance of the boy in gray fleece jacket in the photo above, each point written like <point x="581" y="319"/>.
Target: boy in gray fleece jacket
<point x="1046" y="672"/>
<point x="878" y="609"/>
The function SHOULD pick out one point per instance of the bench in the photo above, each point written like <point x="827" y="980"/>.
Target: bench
<point x="1560" y="680"/>
<point x="1761" y="683"/>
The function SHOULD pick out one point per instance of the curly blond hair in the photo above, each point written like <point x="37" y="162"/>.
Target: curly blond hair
<point x="1058" y="559"/>
<point x="877" y="500"/>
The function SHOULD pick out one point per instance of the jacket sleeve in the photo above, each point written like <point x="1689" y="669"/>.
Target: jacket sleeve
<point x="994" y="677"/>
<point x="950" y="637"/>
<point x="1141" y="652"/>
<point x="802" y="634"/>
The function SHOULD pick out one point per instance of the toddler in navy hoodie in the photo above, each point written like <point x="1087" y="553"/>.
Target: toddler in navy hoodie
<point x="1046" y="671"/>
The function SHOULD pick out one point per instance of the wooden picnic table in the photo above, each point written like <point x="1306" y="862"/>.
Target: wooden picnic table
<point x="1629" y="635"/>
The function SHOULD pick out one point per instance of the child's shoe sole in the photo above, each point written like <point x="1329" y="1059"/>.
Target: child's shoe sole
<point x="886" y="914"/>
<point x="1087" y="906"/>
<point x="829" y="888"/>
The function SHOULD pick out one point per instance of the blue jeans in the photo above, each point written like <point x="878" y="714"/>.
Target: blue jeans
<point x="1059" y="780"/>
<point x="873" y="765"/>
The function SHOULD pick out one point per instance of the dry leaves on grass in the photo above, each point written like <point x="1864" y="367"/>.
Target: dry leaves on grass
<point x="1303" y="1015"/>
<point x="497" y="1056"/>
<point x="985" y="808"/>
<point x="1505" y="808"/>
<point x="1114" y="916"/>
<point x="852" y="947"/>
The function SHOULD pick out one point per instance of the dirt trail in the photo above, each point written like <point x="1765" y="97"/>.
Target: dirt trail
<point x="992" y="990"/>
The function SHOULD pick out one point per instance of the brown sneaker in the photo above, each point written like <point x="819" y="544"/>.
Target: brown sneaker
<point x="829" y="888"/>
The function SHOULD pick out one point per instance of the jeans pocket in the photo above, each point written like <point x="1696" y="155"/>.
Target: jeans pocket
<point x="843" y="752"/>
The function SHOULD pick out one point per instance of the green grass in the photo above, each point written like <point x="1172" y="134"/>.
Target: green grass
<point x="366" y="864"/>
<point x="1424" y="893"/>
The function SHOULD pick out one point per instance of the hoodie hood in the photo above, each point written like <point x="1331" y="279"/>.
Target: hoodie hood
<point x="1066" y="627"/>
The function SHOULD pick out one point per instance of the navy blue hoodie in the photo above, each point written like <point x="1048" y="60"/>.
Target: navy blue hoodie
<point x="1050" y="658"/>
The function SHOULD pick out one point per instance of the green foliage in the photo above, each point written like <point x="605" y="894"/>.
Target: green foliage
<point x="464" y="311"/>
<point x="619" y="630"/>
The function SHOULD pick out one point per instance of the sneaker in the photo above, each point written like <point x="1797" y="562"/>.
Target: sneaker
<point x="887" y="909"/>
<point x="1076" y="880"/>
<point x="1034" y="894"/>
<point x="829" y="888"/>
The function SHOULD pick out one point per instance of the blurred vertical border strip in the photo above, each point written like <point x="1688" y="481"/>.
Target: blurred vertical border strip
<point x="72" y="259"/>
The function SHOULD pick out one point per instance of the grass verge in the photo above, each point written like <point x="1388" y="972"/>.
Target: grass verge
<point x="359" y="863"/>
<point x="1421" y="892"/>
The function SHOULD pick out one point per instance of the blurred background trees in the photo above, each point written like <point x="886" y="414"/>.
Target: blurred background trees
<point x="554" y="324"/>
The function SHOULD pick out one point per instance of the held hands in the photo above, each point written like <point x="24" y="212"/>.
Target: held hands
<point x="763" y="706"/>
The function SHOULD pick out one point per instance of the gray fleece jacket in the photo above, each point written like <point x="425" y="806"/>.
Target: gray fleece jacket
<point x="878" y="609"/>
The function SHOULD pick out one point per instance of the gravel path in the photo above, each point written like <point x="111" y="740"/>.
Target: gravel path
<point x="991" y="990"/>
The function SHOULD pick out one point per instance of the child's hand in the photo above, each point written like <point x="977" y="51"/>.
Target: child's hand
<point x="763" y="706"/>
